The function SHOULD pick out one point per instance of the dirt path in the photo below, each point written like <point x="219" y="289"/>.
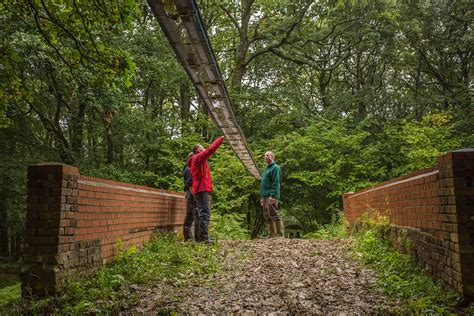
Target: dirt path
<point x="275" y="275"/>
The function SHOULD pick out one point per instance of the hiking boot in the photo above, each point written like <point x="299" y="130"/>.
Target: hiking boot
<point x="210" y="240"/>
<point x="280" y="230"/>
<point x="271" y="229"/>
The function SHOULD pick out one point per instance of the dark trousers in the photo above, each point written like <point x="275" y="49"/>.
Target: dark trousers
<point x="202" y="216"/>
<point x="190" y="210"/>
<point x="189" y="218"/>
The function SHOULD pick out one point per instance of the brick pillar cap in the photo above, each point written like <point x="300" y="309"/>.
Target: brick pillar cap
<point x="347" y="194"/>
<point x="464" y="150"/>
<point x="463" y="153"/>
<point x="55" y="167"/>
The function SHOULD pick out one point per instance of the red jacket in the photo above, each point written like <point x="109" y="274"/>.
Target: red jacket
<point x="201" y="174"/>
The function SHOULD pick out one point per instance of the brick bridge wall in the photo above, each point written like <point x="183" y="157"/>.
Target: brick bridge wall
<point x="74" y="223"/>
<point x="434" y="208"/>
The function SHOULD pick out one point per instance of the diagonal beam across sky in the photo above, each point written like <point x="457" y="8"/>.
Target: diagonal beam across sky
<point x="182" y="24"/>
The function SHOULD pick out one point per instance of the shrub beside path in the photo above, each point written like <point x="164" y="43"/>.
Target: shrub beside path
<point x="274" y="276"/>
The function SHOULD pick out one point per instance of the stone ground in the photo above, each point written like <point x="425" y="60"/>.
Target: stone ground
<point x="287" y="276"/>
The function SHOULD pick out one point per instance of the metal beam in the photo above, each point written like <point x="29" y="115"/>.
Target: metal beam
<point x="182" y="24"/>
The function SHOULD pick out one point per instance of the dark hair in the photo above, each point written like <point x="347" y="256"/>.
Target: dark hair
<point x="195" y="148"/>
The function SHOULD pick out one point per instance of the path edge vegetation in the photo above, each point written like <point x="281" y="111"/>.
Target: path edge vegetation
<point x="164" y="259"/>
<point x="398" y="274"/>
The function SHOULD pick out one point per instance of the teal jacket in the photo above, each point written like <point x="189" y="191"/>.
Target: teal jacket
<point x="270" y="182"/>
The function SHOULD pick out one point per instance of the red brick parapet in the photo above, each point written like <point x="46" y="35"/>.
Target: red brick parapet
<point x="434" y="207"/>
<point x="74" y="223"/>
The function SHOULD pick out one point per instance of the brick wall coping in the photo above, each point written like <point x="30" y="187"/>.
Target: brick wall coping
<point x="112" y="186"/>
<point x="402" y="179"/>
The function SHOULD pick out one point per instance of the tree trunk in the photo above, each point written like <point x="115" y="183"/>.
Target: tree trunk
<point x="361" y="108"/>
<point x="203" y="130"/>
<point x="109" y="144"/>
<point x="185" y="101"/>
<point x="239" y="71"/>
<point x="244" y="43"/>
<point x="16" y="246"/>
<point x="77" y="131"/>
<point x="323" y="84"/>
<point x="4" y="245"/>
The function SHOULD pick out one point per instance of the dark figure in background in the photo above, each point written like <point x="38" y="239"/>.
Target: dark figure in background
<point x="270" y="194"/>
<point x="190" y="204"/>
<point x="202" y="188"/>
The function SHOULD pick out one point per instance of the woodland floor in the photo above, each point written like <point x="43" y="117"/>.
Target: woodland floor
<point x="274" y="276"/>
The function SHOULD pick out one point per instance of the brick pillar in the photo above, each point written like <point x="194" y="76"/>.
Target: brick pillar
<point x="456" y="194"/>
<point x="50" y="225"/>
<point x="463" y="175"/>
<point x="449" y="224"/>
<point x="347" y="209"/>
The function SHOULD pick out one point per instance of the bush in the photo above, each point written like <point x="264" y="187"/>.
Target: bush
<point x="228" y="226"/>
<point x="337" y="228"/>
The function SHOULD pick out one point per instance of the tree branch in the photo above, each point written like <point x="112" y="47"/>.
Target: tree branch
<point x="36" y="16"/>
<point x="85" y="26"/>
<point x="232" y="19"/>
<point x="283" y="40"/>
<point x="76" y="41"/>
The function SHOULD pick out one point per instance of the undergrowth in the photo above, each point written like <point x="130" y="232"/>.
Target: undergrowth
<point x="162" y="259"/>
<point x="9" y="292"/>
<point x="338" y="228"/>
<point x="399" y="275"/>
<point x="9" y="284"/>
<point x="7" y="264"/>
<point x="228" y="226"/>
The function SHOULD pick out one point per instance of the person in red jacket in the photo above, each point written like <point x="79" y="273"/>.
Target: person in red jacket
<point x="202" y="188"/>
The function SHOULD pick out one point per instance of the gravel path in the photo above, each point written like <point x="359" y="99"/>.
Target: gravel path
<point x="275" y="276"/>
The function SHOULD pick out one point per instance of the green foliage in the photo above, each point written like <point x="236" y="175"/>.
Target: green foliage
<point x="233" y="187"/>
<point x="399" y="275"/>
<point x="338" y="228"/>
<point x="228" y="226"/>
<point x="235" y="195"/>
<point x="9" y="265"/>
<point x="4" y="121"/>
<point x="163" y="259"/>
<point x="423" y="142"/>
<point x="10" y="292"/>
<point x="329" y="157"/>
<point x="320" y="163"/>
<point x="7" y="280"/>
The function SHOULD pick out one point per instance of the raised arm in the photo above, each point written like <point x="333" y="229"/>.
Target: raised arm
<point x="204" y="155"/>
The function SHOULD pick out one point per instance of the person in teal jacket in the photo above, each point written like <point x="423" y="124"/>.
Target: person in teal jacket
<point x="270" y="194"/>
